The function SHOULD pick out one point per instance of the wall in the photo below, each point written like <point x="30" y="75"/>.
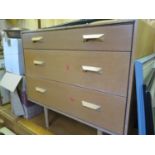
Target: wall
<point x="51" y="22"/>
<point x="32" y="24"/>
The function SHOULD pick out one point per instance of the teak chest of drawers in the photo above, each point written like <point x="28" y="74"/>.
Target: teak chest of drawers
<point x="86" y="72"/>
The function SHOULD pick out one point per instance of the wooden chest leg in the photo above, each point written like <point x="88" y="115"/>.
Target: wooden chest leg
<point x="46" y="117"/>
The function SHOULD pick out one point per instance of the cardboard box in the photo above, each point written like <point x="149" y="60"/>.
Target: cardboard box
<point x="20" y="105"/>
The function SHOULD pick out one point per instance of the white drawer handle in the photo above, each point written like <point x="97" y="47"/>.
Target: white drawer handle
<point x="92" y="69"/>
<point x="88" y="37"/>
<point x="37" y="62"/>
<point x="90" y="105"/>
<point x="36" y="39"/>
<point x="40" y="90"/>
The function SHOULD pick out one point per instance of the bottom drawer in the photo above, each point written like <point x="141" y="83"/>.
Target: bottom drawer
<point x="93" y="107"/>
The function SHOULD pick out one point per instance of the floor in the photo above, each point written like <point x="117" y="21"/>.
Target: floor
<point x="59" y="124"/>
<point x="20" y="125"/>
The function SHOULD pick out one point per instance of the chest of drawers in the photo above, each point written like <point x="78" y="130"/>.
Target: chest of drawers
<point x="86" y="72"/>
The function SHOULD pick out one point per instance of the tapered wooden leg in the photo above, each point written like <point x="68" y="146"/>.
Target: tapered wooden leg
<point x="46" y="117"/>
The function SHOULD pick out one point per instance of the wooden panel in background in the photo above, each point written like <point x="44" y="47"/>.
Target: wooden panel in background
<point x="32" y="24"/>
<point x="52" y="22"/>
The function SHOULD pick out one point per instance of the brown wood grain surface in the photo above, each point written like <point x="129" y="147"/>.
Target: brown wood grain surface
<point x="115" y="38"/>
<point x="66" y="66"/>
<point x="68" y="99"/>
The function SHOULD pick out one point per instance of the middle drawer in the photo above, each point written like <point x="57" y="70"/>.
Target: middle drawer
<point x="103" y="71"/>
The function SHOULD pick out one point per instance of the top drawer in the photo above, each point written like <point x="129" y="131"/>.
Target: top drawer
<point x="114" y="38"/>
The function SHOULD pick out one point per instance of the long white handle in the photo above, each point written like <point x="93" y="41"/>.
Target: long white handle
<point x="90" y="105"/>
<point x="37" y="62"/>
<point x="87" y="37"/>
<point x="37" y="39"/>
<point x="91" y="69"/>
<point x="40" y="90"/>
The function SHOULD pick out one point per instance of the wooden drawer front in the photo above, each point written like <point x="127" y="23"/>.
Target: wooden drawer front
<point x="104" y="71"/>
<point x="98" y="109"/>
<point x="115" y="38"/>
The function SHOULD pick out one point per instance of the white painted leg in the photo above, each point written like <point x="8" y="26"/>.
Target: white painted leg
<point x="46" y="117"/>
<point x="99" y="132"/>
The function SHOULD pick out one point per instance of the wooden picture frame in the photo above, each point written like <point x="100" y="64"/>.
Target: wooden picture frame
<point x="145" y="89"/>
